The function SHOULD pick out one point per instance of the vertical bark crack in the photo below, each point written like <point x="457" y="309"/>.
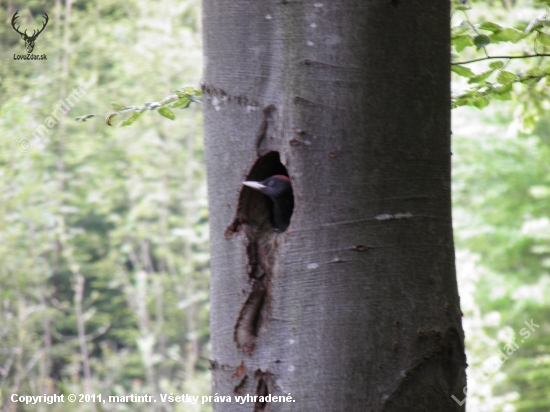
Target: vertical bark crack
<point x="262" y="389"/>
<point x="248" y="323"/>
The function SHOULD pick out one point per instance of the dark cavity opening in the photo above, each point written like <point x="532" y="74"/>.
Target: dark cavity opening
<point x="267" y="201"/>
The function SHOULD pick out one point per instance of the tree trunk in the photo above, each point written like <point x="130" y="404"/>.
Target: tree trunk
<point x="355" y="307"/>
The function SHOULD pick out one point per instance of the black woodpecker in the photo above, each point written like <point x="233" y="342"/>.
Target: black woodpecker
<point x="279" y="190"/>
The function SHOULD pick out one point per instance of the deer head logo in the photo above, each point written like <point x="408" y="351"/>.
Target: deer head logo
<point x="29" y="40"/>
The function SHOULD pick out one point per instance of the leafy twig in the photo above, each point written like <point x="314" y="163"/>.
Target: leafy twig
<point x="182" y="99"/>
<point x="496" y="83"/>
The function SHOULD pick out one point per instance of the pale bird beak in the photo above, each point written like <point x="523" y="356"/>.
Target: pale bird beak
<point x="254" y="185"/>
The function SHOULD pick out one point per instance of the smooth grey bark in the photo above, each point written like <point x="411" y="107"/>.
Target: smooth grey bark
<point x="355" y="307"/>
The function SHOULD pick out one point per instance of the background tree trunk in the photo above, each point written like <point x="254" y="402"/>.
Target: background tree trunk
<point x="355" y="307"/>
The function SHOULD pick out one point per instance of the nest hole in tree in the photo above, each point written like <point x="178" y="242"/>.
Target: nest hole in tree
<point x="255" y="208"/>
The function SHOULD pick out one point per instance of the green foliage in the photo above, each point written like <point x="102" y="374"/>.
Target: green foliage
<point x="103" y="227"/>
<point x="497" y="81"/>
<point x="502" y="197"/>
<point x="501" y="203"/>
<point x="182" y="99"/>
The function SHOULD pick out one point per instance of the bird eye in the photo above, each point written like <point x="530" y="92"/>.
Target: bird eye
<point x="270" y="183"/>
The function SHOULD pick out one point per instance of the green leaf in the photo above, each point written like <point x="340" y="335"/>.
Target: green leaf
<point x="462" y="42"/>
<point x="505" y="77"/>
<point x="131" y="119"/>
<point x="496" y="65"/>
<point x="458" y="31"/>
<point x="526" y="79"/>
<point x="166" y="112"/>
<point x="481" y="40"/>
<point x="462" y="102"/>
<point x="462" y="71"/>
<point x="543" y="38"/>
<point x="180" y="94"/>
<point x="480" y="78"/>
<point x="535" y="72"/>
<point x="505" y="88"/>
<point x="183" y="103"/>
<point x="508" y="34"/>
<point x="481" y="102"/>
<point x="503" y="96"/>
<point x="489" y="26"/>
<point x="190" y="90"/>
<point x="117" y="106"/>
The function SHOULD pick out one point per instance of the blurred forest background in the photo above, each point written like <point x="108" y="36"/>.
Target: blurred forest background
<point x="104" y="232"/>
<point x="501" y="219"/>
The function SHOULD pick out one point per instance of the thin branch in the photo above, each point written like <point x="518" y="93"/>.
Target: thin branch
<point x="501" y="57"/>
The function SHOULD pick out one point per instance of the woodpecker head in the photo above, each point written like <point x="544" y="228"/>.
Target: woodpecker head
<point x="279" y="190"/>
<point x="274" y="186"/>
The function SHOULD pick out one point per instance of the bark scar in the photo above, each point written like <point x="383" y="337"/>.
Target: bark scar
<point x="239" y="389"/>
<point x="248" y="323"/>
<point x="211" y="91"/>
<point x="263" y="388"/>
